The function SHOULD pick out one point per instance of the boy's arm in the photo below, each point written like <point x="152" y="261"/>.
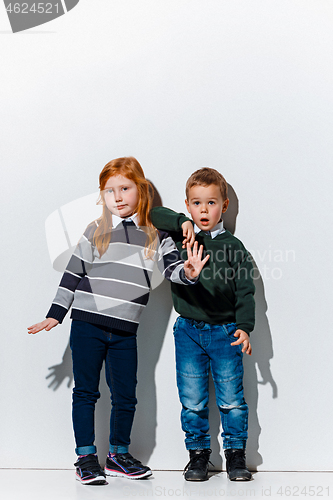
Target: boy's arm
<point x="245" y="289"/>
<point x="166" y="219"/>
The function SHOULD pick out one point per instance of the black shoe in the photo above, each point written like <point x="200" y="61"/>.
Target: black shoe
<point x="236" y="466"/>
<point x="88" y="470"/>
<point x="197" y="468"/>
<point x="124" y="465"/>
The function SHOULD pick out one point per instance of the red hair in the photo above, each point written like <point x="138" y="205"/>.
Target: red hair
<point x="128" y="167"/>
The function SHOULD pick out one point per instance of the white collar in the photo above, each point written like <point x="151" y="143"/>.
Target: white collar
<point x="218" y="229"/>
<point x="118" y="220"/>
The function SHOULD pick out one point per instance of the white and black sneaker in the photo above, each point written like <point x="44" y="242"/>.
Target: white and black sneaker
<point x="88" y="470"/>
<point x="124" y="465"/>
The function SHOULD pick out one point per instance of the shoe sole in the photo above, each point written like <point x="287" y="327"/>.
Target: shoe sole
<point x="95" y="480"/>
<point x="236" y="478"/>
<point x="196" y="479"/>
<point x="115" y="473"/>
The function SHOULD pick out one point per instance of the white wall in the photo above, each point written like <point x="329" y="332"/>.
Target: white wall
<point x="241" y="86"/>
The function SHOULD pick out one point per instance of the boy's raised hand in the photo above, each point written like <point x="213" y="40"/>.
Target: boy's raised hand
<point x="244" y="339"/>
<point x="194" y="264"/>
<point x="46" y="325"/>
<point x="188" y="233"/>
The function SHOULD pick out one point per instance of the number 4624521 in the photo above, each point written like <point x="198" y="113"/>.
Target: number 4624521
<point x="35" y="8"/>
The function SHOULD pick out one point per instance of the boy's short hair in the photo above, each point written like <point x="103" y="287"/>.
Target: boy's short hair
<point x="205" y="177"/>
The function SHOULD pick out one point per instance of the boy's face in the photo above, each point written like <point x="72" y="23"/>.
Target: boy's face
<point x="121" y="196"/>
<point x="206" y="205"/>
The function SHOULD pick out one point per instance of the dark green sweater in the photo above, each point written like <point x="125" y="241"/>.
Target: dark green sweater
<point x="225" y="290"/>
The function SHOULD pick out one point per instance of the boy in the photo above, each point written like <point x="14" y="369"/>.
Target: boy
<point x="212" y="331"/>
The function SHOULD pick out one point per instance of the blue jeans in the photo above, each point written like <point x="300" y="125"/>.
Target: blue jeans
<point x="202" y="346"/>
<point x="90" y="347"/>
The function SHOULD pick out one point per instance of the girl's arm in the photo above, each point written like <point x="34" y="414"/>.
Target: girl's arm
<point x="76" y="269"/>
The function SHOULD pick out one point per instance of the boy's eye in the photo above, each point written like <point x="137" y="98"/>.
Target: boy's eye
<point x="211" y="202"/>
<point x="196" y="203"/>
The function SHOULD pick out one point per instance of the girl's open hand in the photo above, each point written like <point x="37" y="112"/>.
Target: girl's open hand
<point x="188" y="233"/>
<point x="194" y="264"/>
<point x="46" y="325"/>
<point x="244" y="339"/>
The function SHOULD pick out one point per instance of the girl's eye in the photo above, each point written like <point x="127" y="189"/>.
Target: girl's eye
<point x="109" y="190"/>
<point x="125" y="188"/>
<point x="211" y="202"/>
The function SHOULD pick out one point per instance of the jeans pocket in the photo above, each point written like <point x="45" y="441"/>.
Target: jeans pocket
<point x="230" y="329"/>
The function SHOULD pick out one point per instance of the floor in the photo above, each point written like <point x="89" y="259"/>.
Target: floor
<point x="32" y="484"/>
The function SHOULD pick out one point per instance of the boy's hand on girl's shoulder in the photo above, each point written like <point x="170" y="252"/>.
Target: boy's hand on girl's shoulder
<point x="244" y="339"/>
<point x="188" y="233"/>
<point x="194" y="264"/>
<point x="46" y="325"/>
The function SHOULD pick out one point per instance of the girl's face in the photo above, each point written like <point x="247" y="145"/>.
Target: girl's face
<point x="121" y="196"/>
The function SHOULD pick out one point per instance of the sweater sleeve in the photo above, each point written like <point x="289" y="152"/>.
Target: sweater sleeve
<point x="166" y="219"/>
<point x="76" y="269"/>
<point x="170" y="262"/>
<point x="242" y="270"/>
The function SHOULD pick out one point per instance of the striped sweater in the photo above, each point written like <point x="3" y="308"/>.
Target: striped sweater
<point x="113" y="290"/>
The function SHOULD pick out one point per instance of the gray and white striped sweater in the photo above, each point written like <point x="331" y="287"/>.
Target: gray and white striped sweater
<point x="113" y="290"/>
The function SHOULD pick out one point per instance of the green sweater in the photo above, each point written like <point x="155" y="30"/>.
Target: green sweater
<point x="225" y="291"/>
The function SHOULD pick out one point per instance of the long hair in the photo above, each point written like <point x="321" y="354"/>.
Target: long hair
<point x="128" y="167"/>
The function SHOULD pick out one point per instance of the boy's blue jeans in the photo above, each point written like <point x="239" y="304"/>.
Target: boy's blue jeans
<point x="90" y="347"/>
<point x="202" y="346"/>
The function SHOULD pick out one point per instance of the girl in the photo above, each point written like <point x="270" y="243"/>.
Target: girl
<point x="107" y="282"/>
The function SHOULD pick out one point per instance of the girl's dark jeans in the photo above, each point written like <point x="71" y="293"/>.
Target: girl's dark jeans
<point x="90" y="346"/>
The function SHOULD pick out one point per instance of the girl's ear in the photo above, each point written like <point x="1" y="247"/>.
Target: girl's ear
<point x="188" y="206"/>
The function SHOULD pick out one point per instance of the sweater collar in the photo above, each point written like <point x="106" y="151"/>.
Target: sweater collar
<point x="218" y="229"/>
<point x="118" y="220"/>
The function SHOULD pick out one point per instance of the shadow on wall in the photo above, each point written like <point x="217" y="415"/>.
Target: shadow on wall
<point x="151" y="334"/>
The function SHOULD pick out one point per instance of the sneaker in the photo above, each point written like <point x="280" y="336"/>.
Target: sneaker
<point x="197" y="468"/>
<point x="124" y="465"/>
<point x="236" y="466"/>
<point x="88" y="470"/>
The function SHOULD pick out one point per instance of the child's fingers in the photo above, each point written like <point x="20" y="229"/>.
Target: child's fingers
<point x="189" y="237"/>
<point x="189" y="251"/>
<point x="47" y="324"/>
<point x="33" y="329"/>
<point x="205" y="259"/>
<point x="247" y="349"/>
<point x="186" y="237"/>
<point x="192" y="240"/>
